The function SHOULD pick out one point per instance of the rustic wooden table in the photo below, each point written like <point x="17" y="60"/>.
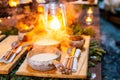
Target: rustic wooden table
<point x="96" y="27"/>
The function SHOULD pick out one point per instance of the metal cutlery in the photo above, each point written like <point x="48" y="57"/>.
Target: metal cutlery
<point x="12" y="50"/>
<point x="15" y="49"/>
<point x="19" y="49"/>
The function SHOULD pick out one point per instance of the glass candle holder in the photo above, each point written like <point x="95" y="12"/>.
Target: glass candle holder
<point x="89" y="20"/>
<point x="21" y="36"/>
<point x="55" y="16"/>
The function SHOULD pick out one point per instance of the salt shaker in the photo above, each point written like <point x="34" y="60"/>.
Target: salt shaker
<point x="75" y="61"/>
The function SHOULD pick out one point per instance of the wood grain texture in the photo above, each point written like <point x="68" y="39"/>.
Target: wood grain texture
<point x="96" y="26"/>
<point x="26" y="70"/>
<point x="4" y="46"/>
<point x="97" y="71"/>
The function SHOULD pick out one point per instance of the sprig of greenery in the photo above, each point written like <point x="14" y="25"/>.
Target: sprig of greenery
<point x="95" y="53"/>
<point x="77" y="29"/>
<point x="12" y="31"/>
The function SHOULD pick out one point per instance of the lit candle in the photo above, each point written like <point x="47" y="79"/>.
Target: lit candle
<point x="0" y="20"/>
<point x="0" y="32"/>
<point x="90" y="11"/>
<point x="89" y="20"/>
<point x="55" y="24"/>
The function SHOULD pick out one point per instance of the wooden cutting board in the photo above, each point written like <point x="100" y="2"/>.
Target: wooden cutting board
<point x="26" y="70"/>
<point x="4" y="46"/>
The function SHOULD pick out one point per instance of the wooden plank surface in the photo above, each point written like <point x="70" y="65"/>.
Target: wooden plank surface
<point x="4" y="46"/>
<point x="96" y="70"/>
<point x="26" y="70"/>
<point x="96" y="27"/>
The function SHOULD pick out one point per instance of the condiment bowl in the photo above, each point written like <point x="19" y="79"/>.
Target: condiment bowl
<point x="77" y="41"/>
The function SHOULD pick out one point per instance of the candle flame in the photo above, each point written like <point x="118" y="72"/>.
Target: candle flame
<point x="55" y="24"/>
<point x="89" y="19"/>
<point x="90" y="11"/>
<point x="0" y="20"/>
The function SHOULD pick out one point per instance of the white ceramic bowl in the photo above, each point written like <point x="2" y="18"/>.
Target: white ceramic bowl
<point x="46" y="43"/>
<point x="45" y="62"/>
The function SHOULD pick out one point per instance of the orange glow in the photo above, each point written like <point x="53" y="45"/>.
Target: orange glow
<point x="13" y="3"/>
<point x="55" y="28"/>
<point x="22" y="27"/>
<point x="51" y="27"/>
<point x="0" y="20"/>
<point x="40" y="9"/>
<point x="54" y="23"/>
